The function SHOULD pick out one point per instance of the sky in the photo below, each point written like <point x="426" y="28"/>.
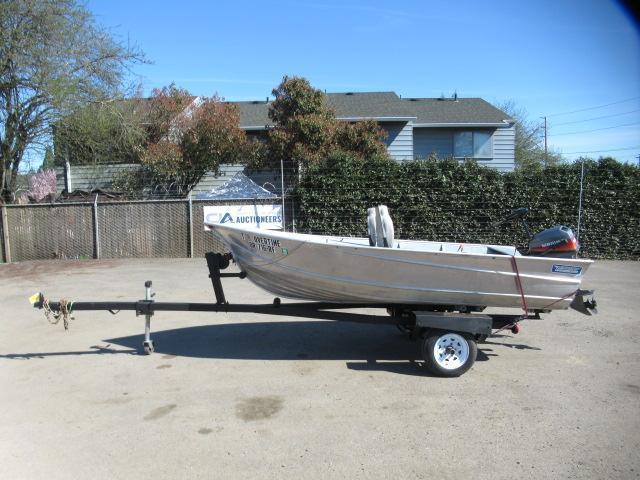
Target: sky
<point x="575" y="62"/>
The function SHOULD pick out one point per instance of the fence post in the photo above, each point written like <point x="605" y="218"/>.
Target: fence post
<point x="67" y="176"/>
<point x="190" y="226"/>
<point x="96" y="228"/>
<point x="5" y="234"/>
<point x="284" y="229"/>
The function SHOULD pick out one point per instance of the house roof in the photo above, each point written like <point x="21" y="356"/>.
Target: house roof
<point x="368" y="105"/>
<point x="387" y="107"/>
<point x="253" y="114"/>
<point x="436" y="111"/>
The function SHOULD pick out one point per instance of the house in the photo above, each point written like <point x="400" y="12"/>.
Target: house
<point x="417" y="127"/>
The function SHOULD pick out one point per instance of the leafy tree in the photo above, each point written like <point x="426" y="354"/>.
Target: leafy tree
<point x="528" y="149"/>
<point x="167" y="111"/>
<point x="307" y="132"/>
<point x="187" y="137"/>
<point x="296" y="97"/>
<point x="53" y="58"/>
<point x="48" y="162"/>
<point x="363" y="139"/>
<point x="102" y="132"/>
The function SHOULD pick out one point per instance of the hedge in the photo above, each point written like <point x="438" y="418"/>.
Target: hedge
<point x="450" y="201"/>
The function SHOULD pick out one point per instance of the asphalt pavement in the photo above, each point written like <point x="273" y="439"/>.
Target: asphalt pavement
<point x="260" y="396"/>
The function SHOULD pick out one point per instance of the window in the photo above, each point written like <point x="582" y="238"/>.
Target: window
<point x="472" y="145"/>
<point x="482" y="145"/>
<point x="463" y="144"/>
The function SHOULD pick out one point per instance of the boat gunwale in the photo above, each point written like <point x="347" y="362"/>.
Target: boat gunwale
<point x="317" y="239"/>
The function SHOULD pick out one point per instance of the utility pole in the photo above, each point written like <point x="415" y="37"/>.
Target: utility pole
<point x="546" y="158"/>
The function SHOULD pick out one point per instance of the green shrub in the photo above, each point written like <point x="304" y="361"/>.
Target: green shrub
<point x="450" y="201"/>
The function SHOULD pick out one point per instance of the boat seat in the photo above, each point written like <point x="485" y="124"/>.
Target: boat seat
<point x="371" y="227"/>
<point x="380" y="227"/>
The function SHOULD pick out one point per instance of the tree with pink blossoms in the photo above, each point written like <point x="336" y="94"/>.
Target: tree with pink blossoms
<point x="41" y="184"/>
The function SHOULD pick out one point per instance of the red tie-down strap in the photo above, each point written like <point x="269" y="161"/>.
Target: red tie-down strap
<point x="568" y="295"/>
<point x="514" y="266"/>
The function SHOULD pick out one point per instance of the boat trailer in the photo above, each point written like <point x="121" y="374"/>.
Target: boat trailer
<point x="449" y="336"/>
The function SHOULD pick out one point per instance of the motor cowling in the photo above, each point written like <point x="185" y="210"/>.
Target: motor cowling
<point x="558" y="241"/>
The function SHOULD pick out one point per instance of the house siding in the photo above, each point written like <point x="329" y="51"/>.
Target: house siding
<point x="399" y="139"/>
<point x="91" y="177"/>
<point x="210" y="181"/>
<point x="504" y="140"/>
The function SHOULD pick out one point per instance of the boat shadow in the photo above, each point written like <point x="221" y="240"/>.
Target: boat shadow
<point x="282" y="340"/>
<point x="363" y="347"/>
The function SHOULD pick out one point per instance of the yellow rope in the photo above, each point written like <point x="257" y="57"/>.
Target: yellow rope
<point x="54" y="316"/>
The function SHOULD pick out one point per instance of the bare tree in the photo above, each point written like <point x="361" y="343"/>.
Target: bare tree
<point x="529" y="135"/>
<point x="53" y="59"/>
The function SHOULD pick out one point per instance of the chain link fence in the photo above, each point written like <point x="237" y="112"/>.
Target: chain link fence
<point x="157" y="228"/>
<point x="143" y="229"/>
<point x="47" y="231"/>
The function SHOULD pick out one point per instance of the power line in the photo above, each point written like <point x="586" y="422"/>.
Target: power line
<point x="593" y="108"/>
<point x="603" y="151"/>
<point x="594" y="129"/>
<point x="598" y="118"/>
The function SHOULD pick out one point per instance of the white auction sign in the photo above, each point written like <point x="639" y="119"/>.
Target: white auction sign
<point x="261" y="216"/>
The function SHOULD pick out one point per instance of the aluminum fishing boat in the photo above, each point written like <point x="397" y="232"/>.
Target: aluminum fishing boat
<point x="432" y="291"/>
<point x="385" y="271"/>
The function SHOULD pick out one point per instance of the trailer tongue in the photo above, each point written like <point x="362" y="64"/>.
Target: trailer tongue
<point x="449" y="337"/>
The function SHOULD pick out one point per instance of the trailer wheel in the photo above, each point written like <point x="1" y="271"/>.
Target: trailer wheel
<point x="448" y="354"/>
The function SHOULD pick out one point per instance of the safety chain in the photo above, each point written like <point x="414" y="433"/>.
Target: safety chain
<point x="53" y="316"/>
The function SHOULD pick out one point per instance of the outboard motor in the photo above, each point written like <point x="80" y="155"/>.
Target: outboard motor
<point x="558" y="241"/>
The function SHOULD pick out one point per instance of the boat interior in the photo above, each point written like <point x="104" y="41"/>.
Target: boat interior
<point x="381" y="234"/>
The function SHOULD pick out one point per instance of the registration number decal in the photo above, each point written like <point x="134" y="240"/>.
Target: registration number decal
<point x="261" y="244"/>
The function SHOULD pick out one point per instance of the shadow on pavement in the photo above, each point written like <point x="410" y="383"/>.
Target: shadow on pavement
<point x="364" y="347"/>
<point x="310" y="340"/>
<point x="95" y="350"/>
<point x="517" y="346"/>
<point x="410" y="367"/>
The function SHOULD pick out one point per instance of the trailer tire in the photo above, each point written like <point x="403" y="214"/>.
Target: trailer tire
<point x="448" y="354"/>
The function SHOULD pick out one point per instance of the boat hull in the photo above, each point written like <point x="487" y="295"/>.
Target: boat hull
<point x="349" y="271"/>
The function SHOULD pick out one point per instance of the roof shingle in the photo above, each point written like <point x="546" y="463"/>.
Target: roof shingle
<point x="388" y="105"/>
